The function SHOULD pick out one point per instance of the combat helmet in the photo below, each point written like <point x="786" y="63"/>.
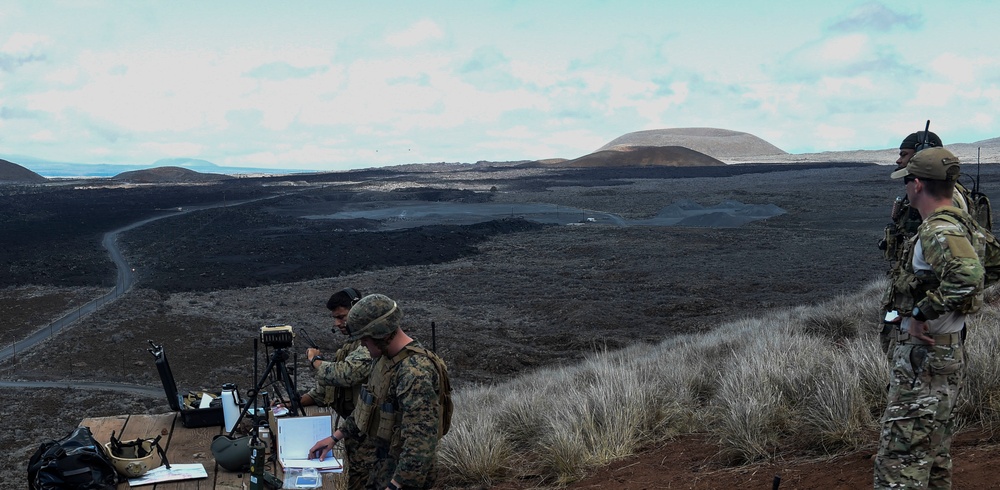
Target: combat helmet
<point x="134" y="458"/>
<point x="232" y="453"/>
<point x="375" y="316"/>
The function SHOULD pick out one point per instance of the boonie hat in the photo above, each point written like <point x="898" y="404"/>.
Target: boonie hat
<point x="931" y="164"/>
<point x="375" y="316"/>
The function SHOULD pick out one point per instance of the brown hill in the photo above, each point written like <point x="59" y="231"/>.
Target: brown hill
<point x="12" y="172"/>
<point x="714" y="142"/>
<point x="643" y="156"/>
<point x="167" y="175"/>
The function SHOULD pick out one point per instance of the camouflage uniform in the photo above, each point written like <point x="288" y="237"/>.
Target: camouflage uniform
<point x="338" y="383"/>
<point x="405" y="423"/>
<point x="905" y="221"/>
<point x="942" y="275"/>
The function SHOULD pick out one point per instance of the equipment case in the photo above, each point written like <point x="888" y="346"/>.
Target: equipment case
<point x="190" y="417"/>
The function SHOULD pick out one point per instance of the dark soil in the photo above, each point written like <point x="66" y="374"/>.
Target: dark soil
<point x="505" y="297"/>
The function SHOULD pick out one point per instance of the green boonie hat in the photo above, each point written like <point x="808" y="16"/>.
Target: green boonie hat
<point x="375" y="316"/>
<point x="931" y="164"/>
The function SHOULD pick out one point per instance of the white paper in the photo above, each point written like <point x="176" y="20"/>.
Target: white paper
<point x="176" y="472"/>
<point x="206" y="400"/>
<point x="296" y="435"/>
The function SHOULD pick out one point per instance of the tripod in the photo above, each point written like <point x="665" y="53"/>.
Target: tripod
<point x="277" y="372"/>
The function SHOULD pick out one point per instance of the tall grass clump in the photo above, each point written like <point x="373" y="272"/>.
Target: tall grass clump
<point x="806" y="379"/>
<point x="981" y="395"/>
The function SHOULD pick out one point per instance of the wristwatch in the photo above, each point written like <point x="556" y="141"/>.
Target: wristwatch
<point x="312" y="361"/>
<point x="919" y="315"/>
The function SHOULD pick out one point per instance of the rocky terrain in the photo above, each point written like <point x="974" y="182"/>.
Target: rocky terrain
<point x="506" y="297"/>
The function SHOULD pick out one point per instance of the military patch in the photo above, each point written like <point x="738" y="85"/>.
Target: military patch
<point x="961" y="247"/>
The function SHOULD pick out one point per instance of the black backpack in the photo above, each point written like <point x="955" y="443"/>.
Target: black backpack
<point x="76" y="462"/>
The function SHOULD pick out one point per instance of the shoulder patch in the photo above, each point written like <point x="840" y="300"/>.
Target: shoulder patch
<point x="960" y="247"/>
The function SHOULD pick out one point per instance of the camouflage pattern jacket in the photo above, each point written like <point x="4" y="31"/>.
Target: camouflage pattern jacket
<point x="905" y="222"/>
<point x="955" y="279"/>
<point x="400" y="409"/>
<point x="338" y="382"/>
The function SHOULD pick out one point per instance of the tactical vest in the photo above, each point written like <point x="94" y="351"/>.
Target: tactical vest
<point x="905" y="222"/>
<point x="343" y="398"/>
<point x="381" y="418"/>
<point x="909" y="287"/>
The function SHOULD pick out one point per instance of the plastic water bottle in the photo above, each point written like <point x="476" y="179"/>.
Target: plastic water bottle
<point x="230" y="407"/>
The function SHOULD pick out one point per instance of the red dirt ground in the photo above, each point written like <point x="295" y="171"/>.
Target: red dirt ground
<point x="691" y="463"/>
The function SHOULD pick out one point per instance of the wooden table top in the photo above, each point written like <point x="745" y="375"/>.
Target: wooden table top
<point x="182" y="445"/>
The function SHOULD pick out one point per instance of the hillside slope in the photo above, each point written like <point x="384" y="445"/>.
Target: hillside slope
<point x="12" y="172"/>
<point x="714" y="142"/>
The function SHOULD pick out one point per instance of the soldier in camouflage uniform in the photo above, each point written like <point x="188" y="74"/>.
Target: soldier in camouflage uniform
<point x="940" y="282"/>
<point x="338" y="384"/>
<point x="400" y="408"/>
<point x="905" y="220"/>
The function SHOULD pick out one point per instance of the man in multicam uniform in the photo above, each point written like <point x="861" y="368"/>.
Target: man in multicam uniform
<point x="905" y="220"/>
<point x="338" y="384"/>
<point x="399" y="408"/>
<point x="940" y="282"/>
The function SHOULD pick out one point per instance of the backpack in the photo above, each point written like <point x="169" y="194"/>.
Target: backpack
<point x="76" y="462"/>
<point x="986" y="244"/>
<point x="978" y="204"/>
<point x="444" y="397"/>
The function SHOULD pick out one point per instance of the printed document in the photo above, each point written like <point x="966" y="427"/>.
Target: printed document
<point x="176" y="472"/>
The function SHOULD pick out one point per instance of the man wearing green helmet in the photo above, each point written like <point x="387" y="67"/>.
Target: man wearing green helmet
<point x="400" y="407"/>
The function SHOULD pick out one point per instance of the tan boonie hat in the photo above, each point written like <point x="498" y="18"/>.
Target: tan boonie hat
<point x="930" y="164"/>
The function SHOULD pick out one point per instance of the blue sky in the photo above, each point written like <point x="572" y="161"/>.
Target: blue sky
<point x="331" y="85"/>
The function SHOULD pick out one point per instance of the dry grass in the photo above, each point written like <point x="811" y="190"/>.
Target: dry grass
<point x="802" y="379"/>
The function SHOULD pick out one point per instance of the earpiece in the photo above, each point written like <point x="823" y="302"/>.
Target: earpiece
<point x="353" y="294"/>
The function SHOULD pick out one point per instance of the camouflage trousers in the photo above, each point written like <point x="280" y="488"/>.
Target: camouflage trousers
<point x="361" y="458"/>
<point x="385" y="468"/>
<point x="918" y="424"/>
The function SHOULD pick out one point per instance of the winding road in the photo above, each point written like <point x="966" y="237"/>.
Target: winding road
<point x="124" y="282"/>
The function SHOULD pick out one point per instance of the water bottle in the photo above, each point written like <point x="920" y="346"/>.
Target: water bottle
<point x="230" y="406"/>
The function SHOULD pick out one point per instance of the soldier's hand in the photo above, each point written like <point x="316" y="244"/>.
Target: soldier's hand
<point x="312" y="352"/>
<point x="918" y="329"/>
<point x="320" y="449"/>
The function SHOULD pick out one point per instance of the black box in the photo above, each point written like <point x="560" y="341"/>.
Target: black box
<point x="190" y="417"/>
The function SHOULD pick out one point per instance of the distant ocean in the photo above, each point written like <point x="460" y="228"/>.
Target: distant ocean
<point x="68" y="169"/>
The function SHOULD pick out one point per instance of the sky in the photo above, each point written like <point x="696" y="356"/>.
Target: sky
<point x="335" y="85"/>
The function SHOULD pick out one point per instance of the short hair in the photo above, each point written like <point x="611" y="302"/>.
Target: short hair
<point x="345" y="298"/>
<point x="941" y="189"/>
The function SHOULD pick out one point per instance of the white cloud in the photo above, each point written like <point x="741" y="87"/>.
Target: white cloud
<point x="174" y="149"/>
<point x="43" y="136"/>
<point x="21" y="43"/>
<point x="933" y="95"/>
<point x="955" y="68"/>
<point x="418" y="33"/>
<point x="843" y="49"/>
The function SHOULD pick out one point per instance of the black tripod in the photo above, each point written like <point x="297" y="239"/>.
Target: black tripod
<point x="276" y="372"/>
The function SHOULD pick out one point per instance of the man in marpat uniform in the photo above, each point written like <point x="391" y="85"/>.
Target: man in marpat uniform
<point x="401" y="408"/>
<point x="338" y="384"/>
